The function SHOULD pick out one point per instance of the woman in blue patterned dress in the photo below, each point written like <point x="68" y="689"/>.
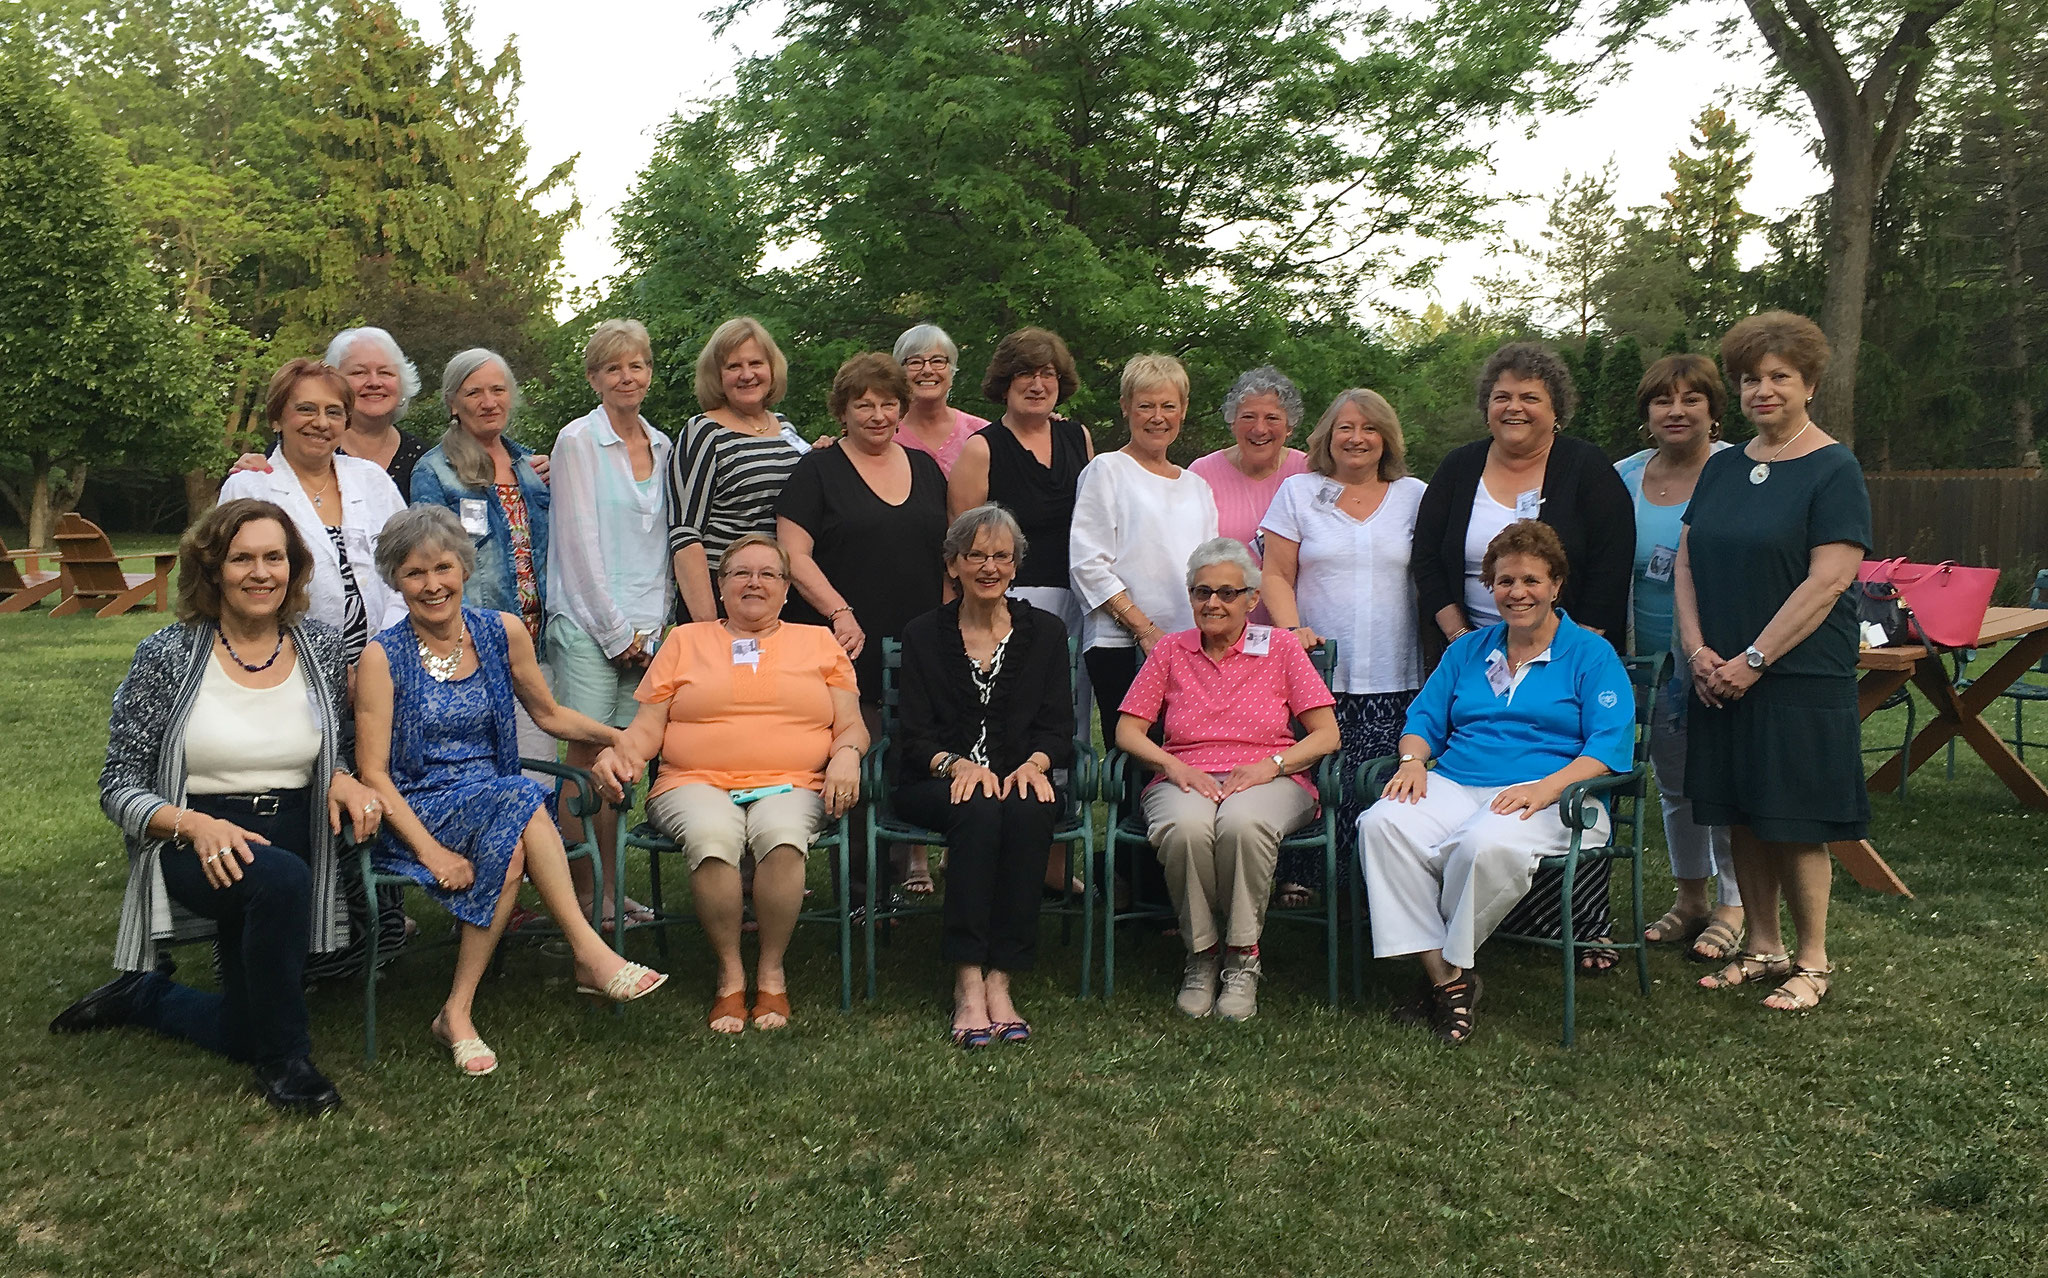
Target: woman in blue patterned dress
<point x="435" y="738"/>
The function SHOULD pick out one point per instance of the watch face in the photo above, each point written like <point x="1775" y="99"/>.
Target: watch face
<point x="1755" y="659"/>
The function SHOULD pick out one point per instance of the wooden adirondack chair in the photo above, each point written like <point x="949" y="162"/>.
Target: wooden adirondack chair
<point x="95" y="574"/>
<point x="24" y="585"/>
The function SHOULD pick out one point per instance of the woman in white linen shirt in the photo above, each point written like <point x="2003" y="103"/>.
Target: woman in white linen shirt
<point x="1137" y="518"/>
<point x="1338" y="541"/>
<point x="338" y="504"/>
<point x="609" y="590"/>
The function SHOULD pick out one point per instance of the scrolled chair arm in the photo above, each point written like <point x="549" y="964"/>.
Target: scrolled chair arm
<point x="1577" y="808"/>
<point x="588" y="802"/>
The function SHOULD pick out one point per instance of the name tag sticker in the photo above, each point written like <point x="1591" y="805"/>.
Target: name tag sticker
<point x="476" y="517"/>
<point x="1258" y="640"/>
<point x="1529" y="505"/>
<point x="746" y="652"/>
<point x="1662" y="560"/>
<point x="1497" y="676"/>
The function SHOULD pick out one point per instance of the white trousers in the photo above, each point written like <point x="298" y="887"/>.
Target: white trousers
<point x="1442" y="872"/>
<point x="1697" y="851"/>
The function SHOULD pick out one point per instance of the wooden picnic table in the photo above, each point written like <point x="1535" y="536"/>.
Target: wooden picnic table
<point x="1956" y="713"/>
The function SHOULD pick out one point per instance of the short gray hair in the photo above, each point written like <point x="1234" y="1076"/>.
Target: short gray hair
<point x="988" y="517"/>
<point x="1264" y="380"/>
<point x="1224" y="550"/>
<point x="925" y="337"/>
<point x="408" y="374"/>
<point x="463" y="365"/>
<point x="418" y="528"/>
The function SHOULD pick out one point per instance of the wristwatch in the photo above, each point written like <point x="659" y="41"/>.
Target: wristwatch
<point x="1753" y="657"/>
<point x="945" y="768"/>
<point x="1278" y="766"/>
<point x="1411" y="758"/>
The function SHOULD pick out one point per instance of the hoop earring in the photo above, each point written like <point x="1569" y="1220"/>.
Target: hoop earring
<point x="1713" y="431"/>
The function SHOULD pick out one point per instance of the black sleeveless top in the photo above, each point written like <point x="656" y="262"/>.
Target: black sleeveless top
<point x="1041" y="497"/>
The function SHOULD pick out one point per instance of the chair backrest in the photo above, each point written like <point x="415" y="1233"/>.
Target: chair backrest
<point x="11" y="579"/>
<point x="89" y="557"/>
<point x="1642" y="679"/>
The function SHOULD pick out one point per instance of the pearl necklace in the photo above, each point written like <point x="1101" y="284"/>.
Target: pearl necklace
<point x="441" y="667"/>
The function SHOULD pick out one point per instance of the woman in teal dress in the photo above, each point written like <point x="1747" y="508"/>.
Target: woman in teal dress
<point x="435" y="738"/>
<point x="1772" y="541"/>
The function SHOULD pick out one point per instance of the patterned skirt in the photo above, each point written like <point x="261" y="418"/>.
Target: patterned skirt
<point x="480" y="821"/>
<point x="1370" y="725"/>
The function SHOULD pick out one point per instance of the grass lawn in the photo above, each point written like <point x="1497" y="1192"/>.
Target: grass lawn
<point x="1897" y="1131"/>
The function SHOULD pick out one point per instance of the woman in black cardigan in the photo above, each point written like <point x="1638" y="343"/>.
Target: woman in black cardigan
<point x="1528" y="470"/>
<point x="987" y="714"/>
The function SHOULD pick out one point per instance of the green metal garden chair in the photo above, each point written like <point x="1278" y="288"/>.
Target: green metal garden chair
<point x="886" y="827"/>
<point x="584" y="806"/>
<point x="1124" y="780"/>
<point x="1628" y="806"/>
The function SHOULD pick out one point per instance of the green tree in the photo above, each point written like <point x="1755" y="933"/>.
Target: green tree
<point x="1203" y="177"/>
<point x="1706" y="223"/>
<point x="1563" y="279"/>
<point x="92" y="369"/>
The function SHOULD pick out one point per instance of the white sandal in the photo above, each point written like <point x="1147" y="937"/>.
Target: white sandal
<point x="624" y="985"/>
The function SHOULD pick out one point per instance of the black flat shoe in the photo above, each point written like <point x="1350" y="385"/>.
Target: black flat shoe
<point x="110" y="1005"/>
<point x="297" y="1087"/>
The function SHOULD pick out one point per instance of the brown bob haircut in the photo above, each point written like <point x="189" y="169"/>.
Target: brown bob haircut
<point x="1022" y="351"/>
<point x="1678" y="373"/>
<point x="203" y="551"/>
<point x="867" y="371"/>
<point x="1793" y="338"/>
<point x="286" y="380"/>
<point x="1530" y="537"/>
<point x="1531" y="361"/>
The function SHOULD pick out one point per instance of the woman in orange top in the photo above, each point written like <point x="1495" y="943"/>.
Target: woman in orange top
<point x="744" y="704"/>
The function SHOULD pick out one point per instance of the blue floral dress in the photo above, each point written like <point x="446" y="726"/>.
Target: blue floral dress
<point x="455" y="758"/>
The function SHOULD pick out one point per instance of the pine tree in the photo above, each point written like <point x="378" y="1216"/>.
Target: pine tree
<point x="1705" y="222"/>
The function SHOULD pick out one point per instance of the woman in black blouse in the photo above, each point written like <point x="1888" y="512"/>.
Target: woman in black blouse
<point x="1525" y="469"/>
<point x="988" y="713"/>
<point x="1528" y="469"/>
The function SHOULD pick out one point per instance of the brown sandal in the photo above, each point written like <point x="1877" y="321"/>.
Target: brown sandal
<point x="1726" y="940"/>
<point x="731" y="1006"/>
<point x="1455" y="1001"/>
<point x="767" y="1003"/>
<point x="1816" y="979"/>
<point x="1747" y="968"/>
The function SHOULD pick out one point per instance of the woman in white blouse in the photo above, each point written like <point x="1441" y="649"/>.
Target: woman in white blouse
<point x="1338" y="540"/>
<point x="338" y="504"/>
<point x="1137" y="518"/>
<point x="608" y="585"/>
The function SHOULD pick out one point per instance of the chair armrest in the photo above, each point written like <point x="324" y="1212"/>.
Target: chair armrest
<point x="1371" y="778"/>
<point x="873" y="766"/>
<point x="1084" y="774"/>
<point x="1575" y="806"/>
<point x="587" y="802"/>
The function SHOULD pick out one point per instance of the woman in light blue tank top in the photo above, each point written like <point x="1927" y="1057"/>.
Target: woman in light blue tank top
<point x="1681" y="399"/>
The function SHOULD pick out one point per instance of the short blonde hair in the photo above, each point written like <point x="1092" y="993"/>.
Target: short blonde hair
<point x="1141" y="371"/>
<point x="729" y="337"/>
<point x="1379" y="414"/>
<point x="613" y="338"/>
<point x="748" y="542"/>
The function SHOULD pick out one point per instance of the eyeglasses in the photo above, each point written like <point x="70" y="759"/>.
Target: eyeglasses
<point x="767" y="575"/>
<point x="936" y="363"/>
<point x="1228" y="594"/>
<point x="1000" y="558"/>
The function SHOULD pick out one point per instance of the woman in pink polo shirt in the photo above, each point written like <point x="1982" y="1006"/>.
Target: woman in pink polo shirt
<point x="1232" y="778"/>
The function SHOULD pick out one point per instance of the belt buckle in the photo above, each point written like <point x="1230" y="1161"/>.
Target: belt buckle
<point x="263" y="805"/>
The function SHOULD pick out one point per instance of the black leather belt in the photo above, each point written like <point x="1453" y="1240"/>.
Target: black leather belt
<point x="266" y="804"/>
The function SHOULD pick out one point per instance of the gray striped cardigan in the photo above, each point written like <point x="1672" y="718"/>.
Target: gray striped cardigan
<point x="146" y="769"/>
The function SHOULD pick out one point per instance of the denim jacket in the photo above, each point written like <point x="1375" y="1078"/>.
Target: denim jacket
<point x="493" y="584"/>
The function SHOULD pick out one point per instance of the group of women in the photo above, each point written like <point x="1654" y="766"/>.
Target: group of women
<point x="342" y="656"/>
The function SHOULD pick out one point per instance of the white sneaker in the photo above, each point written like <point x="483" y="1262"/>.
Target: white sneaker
<point x="1198" y="985"/>
<point x="1240" y="998"/>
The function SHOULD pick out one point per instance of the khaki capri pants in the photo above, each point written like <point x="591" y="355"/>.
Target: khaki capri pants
<point x="708" y="825"/>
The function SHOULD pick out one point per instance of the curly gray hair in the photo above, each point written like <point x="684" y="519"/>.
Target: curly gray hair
<point x="1224" y="550"/>
<point x="1264" y="380"/>
<point x="418" y="528"/>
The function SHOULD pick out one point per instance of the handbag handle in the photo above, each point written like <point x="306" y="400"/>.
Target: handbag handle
<point x="1932" y="569"/>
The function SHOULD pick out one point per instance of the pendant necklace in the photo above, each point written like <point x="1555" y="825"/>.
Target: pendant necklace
<point x="441" y="667"/>
<point x="229" y="645"/>
<point x="1762" y="470"/>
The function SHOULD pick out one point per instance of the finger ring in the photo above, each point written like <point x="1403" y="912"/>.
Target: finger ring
<point x="369" y="809"/>
<point x="212" y="859"/>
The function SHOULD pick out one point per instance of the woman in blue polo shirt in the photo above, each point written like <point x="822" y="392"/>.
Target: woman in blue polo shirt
<point x="1514" y="713"/>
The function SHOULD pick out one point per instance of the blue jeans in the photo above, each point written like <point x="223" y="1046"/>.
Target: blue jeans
<point x="259" y="1014"/>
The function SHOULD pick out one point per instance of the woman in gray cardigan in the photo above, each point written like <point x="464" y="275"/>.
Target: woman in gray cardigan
<point x="226" y="773"/>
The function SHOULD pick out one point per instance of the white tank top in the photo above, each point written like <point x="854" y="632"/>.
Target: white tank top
<point x="247" y="740"/>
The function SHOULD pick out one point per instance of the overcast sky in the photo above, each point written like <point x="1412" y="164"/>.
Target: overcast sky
<point x="602" y="77"/>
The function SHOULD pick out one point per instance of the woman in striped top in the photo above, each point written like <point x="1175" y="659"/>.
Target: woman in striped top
<point x="731" y="460"/>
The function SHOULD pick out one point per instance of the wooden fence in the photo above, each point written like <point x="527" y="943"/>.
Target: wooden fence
<point x="1995" y="520"/>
